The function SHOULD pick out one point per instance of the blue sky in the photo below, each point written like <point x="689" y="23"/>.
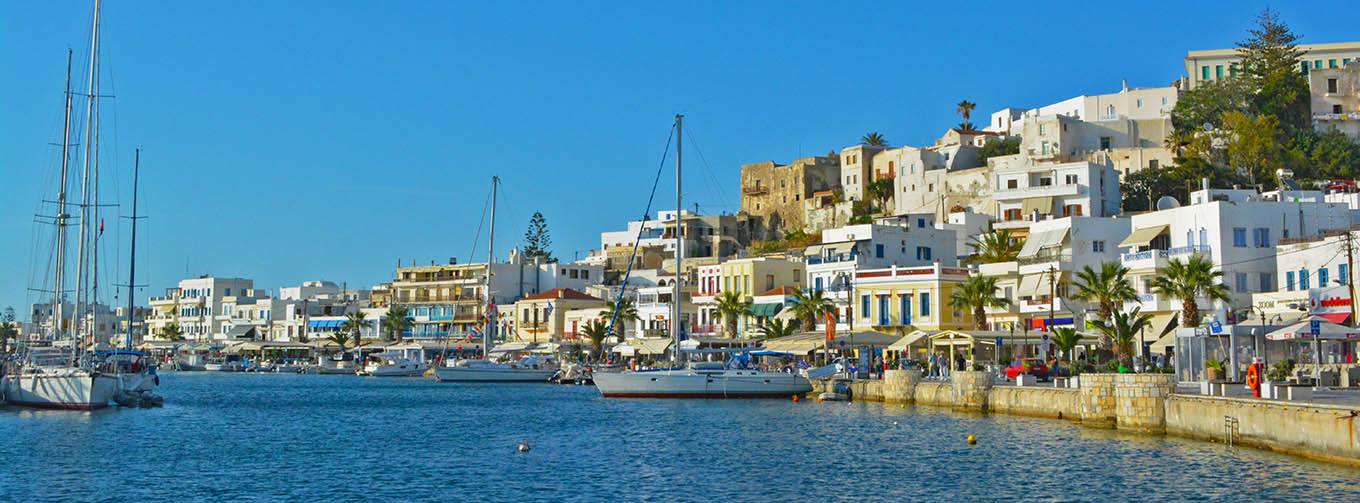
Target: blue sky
<point x="287" y="141"/>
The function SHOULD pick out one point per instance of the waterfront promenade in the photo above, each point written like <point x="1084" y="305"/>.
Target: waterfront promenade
<point x="1147" y="404"/>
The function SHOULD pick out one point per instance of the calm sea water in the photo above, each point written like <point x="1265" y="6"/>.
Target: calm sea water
<point x="339" y="438"/>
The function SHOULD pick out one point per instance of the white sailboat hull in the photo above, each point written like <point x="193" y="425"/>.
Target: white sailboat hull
<point x="462" y="374"/>
<point x="63" y="389"/>
<point x="701" y="384"/>
<point x="396" y="370"/>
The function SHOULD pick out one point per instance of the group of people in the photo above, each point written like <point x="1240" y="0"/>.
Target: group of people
<point x="941" y="364"/>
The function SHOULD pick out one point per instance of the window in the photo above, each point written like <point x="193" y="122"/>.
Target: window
<point x="1109" y="111"/>
<point x="1322" y="277"/>
<point x="585" y="274"/>
<point x="1163" y="100"/>
<point x="1012" y="184"/>
<point x="1104" y="143"/>
<point x="921" y="223"/>
<point x="1041" y="129"/>
<point x="1331" y="85"/>
<point x="1331" y="63"/>
<point x="1152" y="164"/>
<point x="1317" y="64"/>
<point x="883" y="316"/>
<point x="1218" y="72"/>
<point x="1241" y="281"/>
<point x="1303" y="65"/>
<point x="1070" y="179"/>
<point x="1267" y="282"/>
<point x="1336" y="109"/>
<point x="228" y="292"/>
<point x="925" y="304"/>
<point x="1098" y="246"/>
<point x="923" y="253"/>
<point x="1012" y="214"/>
<point x="905" y="308"/>
<point x="1261" y="237"/>
<point x="817" y="284"/>
<point x="878" y="251"/>
<point x="1139" y="103"/>
<point x="864" y="307"/>
<point x="1204" y="72"/>
<point x="1239" y="237"/>
<point x="769" y="282"/>
<point x="1303" y="279"/>
<point x="1343" y="273"/>
<point x="1289" y="280"/>
<point x="1072" y="210"/>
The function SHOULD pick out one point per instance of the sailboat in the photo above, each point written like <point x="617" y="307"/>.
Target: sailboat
<point x="698" y="379"/>
<point x="529" y="369"/>
<point x="41" y="374"/>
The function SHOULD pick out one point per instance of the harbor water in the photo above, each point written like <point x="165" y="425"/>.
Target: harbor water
<point x="342" y="438"/>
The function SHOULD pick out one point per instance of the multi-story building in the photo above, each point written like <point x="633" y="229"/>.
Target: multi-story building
<point x="909" y="298"/>
<point x="1335" y="98"/>
<point x="542" y="317"/>
<point x="749" y="277"/>
<point x="1026" y="193"/>
<point x="1315" y="275"/>
<point x="910" y="241"/>
<point x="705" y="236"/>
<point x="1239" y="230"/>
<point x="98" y="318"/>
<point x="857" y="163"/>
<point x="707" y="287"/>
<point x="203" y="307"/>
<point x="1055" y="251"/>
<point x="938" y="178"/>
<point x="774" y="193"/>
<point x="654" y="309"/>
<point x="1218" y="64"/>
<point x="445" y="299"/>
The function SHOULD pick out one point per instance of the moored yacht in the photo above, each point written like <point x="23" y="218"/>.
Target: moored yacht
<point x="44" y="378"/>
<point x="528" y="369"/>
<point x="698" y="380"/>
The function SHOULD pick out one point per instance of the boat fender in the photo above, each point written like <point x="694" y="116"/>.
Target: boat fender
<point x="523" y="447"/>
<point x="795" y="398"/>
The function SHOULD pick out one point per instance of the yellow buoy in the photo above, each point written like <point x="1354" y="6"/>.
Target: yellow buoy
<point x="972" y="440"/>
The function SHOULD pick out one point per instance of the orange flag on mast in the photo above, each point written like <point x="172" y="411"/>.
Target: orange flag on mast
<point x="830" y="325"/>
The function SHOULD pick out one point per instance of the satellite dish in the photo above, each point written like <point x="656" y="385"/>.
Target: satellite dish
<point x="1208" y="127"/>
<point x="1167" y="202"/>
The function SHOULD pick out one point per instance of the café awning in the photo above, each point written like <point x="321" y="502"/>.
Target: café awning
<point x="766" y="310"/>
<point x="1141" y="237"/>
<point x="1303" y="331"/>
<point x="653" y="346"/>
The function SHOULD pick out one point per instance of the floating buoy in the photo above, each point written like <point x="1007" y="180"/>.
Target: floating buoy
<point x="972" y="440"/>
<point x="894" y="423"/>
<point x="524" y="446"/>
<point x="795" y="398"/>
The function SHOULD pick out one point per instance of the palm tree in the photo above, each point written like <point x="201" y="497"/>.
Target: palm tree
<point x="172" y="332"/>
<point x="776" y="328"/>
<point x="996" y="246"/>
<point x="976" y="294"/>
<point x="1123" y="328"/>
<point x="354" y="324"/>
<point x="965" y="109"/>
<point x="397" y="321"/>
<point x="1189" y="280"/>
<point x="623" y="310"/>
<point x="596" y="330"/>
<point x="731" y="306"/>
<point x="880" y="191"/>
<point x="1067" y="339"/>
<point x="809" y="306"/>
<point x="1109" y="288"/>
<point x="873" y="139"/>
<point x="340" y="338"/>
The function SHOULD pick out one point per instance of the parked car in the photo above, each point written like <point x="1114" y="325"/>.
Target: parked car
<point x="1030" y="366"/>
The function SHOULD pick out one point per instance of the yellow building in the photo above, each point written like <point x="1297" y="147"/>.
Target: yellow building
<point x="914" y="298"/>
<point x="544" y="317"/>
<point x="752" y="276"/>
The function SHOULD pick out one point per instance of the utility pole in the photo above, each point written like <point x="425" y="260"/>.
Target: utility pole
<point x="1350" y="263"/>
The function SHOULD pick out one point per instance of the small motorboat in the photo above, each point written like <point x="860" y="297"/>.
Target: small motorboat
<point x="393" y="365"/>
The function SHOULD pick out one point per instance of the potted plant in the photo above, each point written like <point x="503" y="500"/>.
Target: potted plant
<point x="1277" y="376"/>
<point x="1213" y="370"/>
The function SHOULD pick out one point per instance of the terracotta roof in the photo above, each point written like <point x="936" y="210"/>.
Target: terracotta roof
<point x="783" y="290"/>
<point x="560" y="293"/>
<point x="975" y="132"/>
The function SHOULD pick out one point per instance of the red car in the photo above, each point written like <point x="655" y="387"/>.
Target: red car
<point x="1031" y="366"/>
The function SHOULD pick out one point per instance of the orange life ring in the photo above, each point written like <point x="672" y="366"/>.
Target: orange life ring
<point x="1253" y="376"/>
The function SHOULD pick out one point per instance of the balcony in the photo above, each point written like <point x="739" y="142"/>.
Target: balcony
<point x="1187" y="250"/>
<point x="754" y="191"/>
<point x="1056" y="259"/>
<point x="1147" y="259"/>
<point x="1041" y="305"/>
<point x="1151" y="302"/>
<point x="1353" y="116"/>
<point x="1071" y="189"/>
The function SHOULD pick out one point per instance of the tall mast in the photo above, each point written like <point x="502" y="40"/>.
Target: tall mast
<point x="132" y="262"/>
<point x="82" y="253"/>
<point x="58" y="313"/>
<point x="490" y="261"/>
<point x="679" y="244"/>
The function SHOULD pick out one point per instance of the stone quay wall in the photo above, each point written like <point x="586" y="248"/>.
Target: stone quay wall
<point x="1138" y="403"/>
<point x="1322" y="432"/>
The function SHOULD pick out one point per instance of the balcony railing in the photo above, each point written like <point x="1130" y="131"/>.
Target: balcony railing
<point x="1142" y="255"/>
<point x="1070" y="189"/>
<point x="1044" y="258"/>
<point x="754" y="191"/>
<point x="1336" y="117"/>
<point x="833" y="259"/>
<point x="1186" y="250"/>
